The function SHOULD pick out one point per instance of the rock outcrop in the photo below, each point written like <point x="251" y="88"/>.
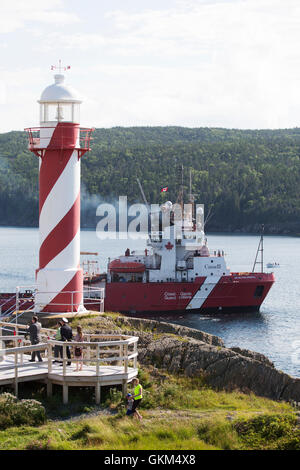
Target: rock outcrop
<point x="181" y="349"/>
<point x="158" y="327"/>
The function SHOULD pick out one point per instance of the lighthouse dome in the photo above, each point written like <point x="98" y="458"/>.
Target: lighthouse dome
<point x="59" y="92"/>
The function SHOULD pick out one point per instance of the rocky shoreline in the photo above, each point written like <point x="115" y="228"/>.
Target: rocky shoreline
<point x="194" y="353"/>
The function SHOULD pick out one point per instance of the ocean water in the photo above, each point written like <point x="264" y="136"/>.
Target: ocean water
<point x="274" y="331"/>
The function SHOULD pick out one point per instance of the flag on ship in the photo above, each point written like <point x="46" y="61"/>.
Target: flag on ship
<point x="164" y="190"/>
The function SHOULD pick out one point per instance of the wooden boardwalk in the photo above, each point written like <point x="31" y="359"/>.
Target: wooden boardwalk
<point x="111" y="361"/>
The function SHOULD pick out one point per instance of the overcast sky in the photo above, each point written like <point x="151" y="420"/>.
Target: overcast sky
<point x="223" y="63"/>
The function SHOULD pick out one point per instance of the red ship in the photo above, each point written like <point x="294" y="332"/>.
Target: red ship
<point x="178" y="273"/>
<point x="180" y="276"/>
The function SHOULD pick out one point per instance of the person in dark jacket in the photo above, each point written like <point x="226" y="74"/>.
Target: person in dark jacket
<point x="58" y="353"/>
<point x="66" y="335"/>
<point x="35" y="337"/>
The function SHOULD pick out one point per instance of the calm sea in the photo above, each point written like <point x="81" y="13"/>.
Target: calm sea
<point x="273" y="331"/>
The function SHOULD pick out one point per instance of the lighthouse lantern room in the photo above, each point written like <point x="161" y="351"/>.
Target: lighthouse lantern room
<point x="59" y="143"/>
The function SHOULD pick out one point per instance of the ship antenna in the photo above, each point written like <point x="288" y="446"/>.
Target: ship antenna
<point x="260" y="250"/>
<point x="143" y="195"/>
<point x="192" y="197"/>
<point x="180" y="177"/>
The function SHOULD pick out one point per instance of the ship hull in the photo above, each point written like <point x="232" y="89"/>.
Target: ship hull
<point x="233" y="293"/>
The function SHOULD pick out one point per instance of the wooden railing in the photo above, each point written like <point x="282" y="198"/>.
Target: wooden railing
<point x="98" y="351"/>
<point x="18" y="352"/>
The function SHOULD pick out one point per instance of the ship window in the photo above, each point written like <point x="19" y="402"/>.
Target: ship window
<point x="259" y="291"/>
<point x="212" y="261"/>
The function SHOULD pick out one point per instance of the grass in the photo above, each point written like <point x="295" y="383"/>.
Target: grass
<point x="179" y="413"/>
<point x="161" y="432"/>
<point x="173" y="392"/>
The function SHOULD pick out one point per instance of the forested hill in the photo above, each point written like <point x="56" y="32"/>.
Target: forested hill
<point x="246" y="177"/>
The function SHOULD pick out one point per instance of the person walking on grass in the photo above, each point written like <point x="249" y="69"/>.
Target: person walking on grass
<point x="137" y="398"/>
<point x="78" y="351"/>
<point x="130" y="401"/>
<point x="35" y="337"/>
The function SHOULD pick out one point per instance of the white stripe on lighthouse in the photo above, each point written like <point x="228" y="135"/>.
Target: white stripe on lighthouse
<point x="61" y="198"/>
<point x="205" y="290"/>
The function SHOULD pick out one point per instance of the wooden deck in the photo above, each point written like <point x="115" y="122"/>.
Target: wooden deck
<point x="111" y="361"/>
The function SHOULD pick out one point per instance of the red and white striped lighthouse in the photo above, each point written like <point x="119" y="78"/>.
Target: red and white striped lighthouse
<point x="59" y="143"/>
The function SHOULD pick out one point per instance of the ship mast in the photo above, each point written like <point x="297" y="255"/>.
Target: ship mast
<point x="260" y="250"/>
<point x="180" y="183"/>
<point x="192" y="197"/>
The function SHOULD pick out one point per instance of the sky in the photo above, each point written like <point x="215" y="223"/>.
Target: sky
<point x="194" y="63"/>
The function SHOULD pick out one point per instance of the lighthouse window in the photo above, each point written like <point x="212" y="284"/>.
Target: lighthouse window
<point x="259" y="291"/>
<point x="61" y="112"/>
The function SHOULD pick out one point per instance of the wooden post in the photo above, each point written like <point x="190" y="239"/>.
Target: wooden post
<point x="65" y="394"/>
<point x="124" y="388"/>
<point x="49" y="358"/>
<point x="2" y="343"/>
<point x="126" y="358"/>
<point x="49" y="389"/>
<point x="135" y="359"/>
<point x="98" y="393"/>
<point x="22" y="355"/>
<point x="16" y="375"/>
<point x="120" y="354"/>
<point x="64" y="360"/>
<point x="97" y="360"/>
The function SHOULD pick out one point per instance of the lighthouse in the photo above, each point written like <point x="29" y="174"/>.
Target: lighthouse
<point x="59" y="143"/>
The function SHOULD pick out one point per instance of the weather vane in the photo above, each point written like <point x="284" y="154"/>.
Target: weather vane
<point x="61" y="68"/>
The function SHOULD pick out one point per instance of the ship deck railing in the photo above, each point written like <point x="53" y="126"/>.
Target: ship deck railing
<point x="107" y="360"/>
<point x="92" y="296"/>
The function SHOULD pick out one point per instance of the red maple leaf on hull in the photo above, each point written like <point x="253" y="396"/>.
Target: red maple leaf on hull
<point x="169" y="246"/>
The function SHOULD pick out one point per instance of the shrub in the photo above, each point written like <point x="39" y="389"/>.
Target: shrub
<point x="273" y="431"/>
<point x="14" y="412"/>
<point x="269" y="427"/>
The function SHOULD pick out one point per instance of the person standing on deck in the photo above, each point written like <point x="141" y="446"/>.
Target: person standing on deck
<point x="137" y="398"/>
<point x="66" y="335"/>
<point x="58" y="353"/>
<point x="35" y="337"/>
<point x="78" y="352"/>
